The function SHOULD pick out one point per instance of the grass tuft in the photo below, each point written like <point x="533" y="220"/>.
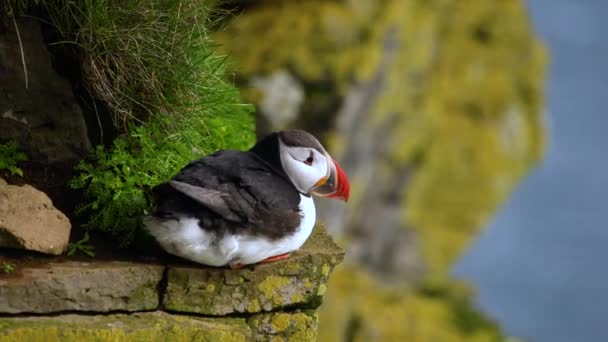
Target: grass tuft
<point x="144" y="58"/>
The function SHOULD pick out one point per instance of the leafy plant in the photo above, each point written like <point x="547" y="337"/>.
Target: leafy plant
<point x="10" y="156"/>
<point x="117" y="180"/>
<point x="83" y="245"/>
<point x="7" y="267"/>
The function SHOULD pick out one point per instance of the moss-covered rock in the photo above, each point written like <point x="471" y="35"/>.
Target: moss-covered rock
<point x="205" y="304"/>
<point x="160" y="326"/>
<point x="299" y="281"/>
<point x="148" y="326"/>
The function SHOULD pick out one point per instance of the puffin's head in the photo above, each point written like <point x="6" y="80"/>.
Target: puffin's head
<point x="309" y="167"/>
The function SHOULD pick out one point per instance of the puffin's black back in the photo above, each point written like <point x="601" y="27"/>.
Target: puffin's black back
<point x="253" y="185"/>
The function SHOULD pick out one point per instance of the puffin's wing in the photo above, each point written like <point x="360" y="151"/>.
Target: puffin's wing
<point x="234" y="185"/>
<point x="216" y="201"/>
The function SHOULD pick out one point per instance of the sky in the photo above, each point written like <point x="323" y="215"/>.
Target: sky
<point x="540" y="267"/>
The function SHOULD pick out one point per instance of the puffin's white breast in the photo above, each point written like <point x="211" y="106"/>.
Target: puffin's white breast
<point x="185" y="238"/>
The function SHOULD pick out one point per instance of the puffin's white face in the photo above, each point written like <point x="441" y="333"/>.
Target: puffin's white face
<point x="306" y="167"/>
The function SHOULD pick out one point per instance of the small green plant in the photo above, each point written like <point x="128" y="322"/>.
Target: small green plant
<point x="7" y="267"/>
<point x="83" y="245"/>
<point x="117" y="180"/>
<point x="10" y="156"/>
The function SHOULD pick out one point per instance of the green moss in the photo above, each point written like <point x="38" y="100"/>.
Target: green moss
<point x="210" y="288"/>
<point x="136" y="327"/>
<point x="147" y="294"/>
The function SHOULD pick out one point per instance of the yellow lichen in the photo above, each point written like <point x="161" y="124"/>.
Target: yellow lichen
<point x="296" y="297"/>
<point x="122" y="328"/>
<point x="254" y="305"/>
<point x="271" y="287"/>
<point x="322" y="289"/>
<point x="281" y="321"/>
<point x="325" y="269"/>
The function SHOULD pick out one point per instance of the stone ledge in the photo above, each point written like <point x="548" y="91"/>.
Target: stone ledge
<point x="81" y="286"/>
<point x="83" y="299"/>
<point x="110" y="286"/>
<point x="299" y="281"/>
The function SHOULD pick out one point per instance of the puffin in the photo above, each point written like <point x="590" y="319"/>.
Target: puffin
<point x="235" y="208"/>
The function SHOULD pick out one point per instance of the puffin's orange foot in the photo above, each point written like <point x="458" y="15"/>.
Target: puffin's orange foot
<point x="236" y="265"/>
<point x="275" y="258"/>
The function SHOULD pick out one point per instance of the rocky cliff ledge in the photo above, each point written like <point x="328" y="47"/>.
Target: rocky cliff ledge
<point x="68" y="300"/>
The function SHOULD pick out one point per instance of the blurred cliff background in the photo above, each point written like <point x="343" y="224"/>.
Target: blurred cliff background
<point x="434" y="108"/>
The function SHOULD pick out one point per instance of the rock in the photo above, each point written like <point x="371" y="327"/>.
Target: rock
<point x="299" y="281"/>
<point x="29" y="220"/>
<point x="42" y="114"/>
<point x="148" y="326"/>
<point x="81" y="286"/>
<point x="78" y="301"/>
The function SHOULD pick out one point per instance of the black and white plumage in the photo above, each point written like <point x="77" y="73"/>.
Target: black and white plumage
<point x="242" y="207"/>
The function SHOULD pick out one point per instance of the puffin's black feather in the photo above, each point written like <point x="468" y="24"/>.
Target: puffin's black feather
<point x="234" y="191"/>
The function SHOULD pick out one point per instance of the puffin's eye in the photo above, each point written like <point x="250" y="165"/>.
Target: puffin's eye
<point x="309" y="160"/>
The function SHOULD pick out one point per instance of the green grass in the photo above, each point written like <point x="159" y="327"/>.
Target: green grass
<point x="144" y="58"/>
<point x="83" y="245"/>
<point x="154" y="66"/>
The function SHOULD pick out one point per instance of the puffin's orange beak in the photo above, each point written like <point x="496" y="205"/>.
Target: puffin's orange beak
<point x="335" y="185"/>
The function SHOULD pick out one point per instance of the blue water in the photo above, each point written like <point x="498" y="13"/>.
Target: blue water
<point x="541" y="266"/>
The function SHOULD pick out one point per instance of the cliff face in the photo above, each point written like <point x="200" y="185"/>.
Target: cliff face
<point x="434" y="110"/>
